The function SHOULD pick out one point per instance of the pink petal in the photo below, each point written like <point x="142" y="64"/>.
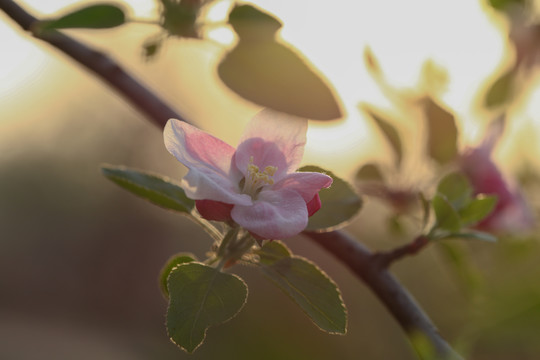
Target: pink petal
<point x="274" y="215"/>
<point x="307" y="184"/>
<point x="282" y="138"/>
<point x="314" y="205"/>
<point x="209" y="161"/>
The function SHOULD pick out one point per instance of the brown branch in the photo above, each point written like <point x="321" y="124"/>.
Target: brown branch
<point x="350" y="252"/>
<point x="386" y="287"/>
<point x="100" y="64"/>
<point x="384" y="259"/>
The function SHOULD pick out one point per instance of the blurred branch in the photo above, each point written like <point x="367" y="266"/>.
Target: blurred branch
<point x="349" y="251"/>
<point x="142" y="98"/>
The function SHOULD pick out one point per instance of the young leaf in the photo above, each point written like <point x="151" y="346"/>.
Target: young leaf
<point x="369" y="173"/>
<point x="456" y="188"/>
<point x="477" y="209"/>
<point x="97" y="16"/>
<point x="390" y="133"/>
<point x="339" y="204"/>
<point x="473" y="234"/>
<point x="200" y="297"/>
<point x="273" y="251"/>
<point x="447" y="217"/>
<point x="173" y="261"/>
<point x="442" y="133"/>
<point x="267" y="72"/>
<point x="502" y="90"/>
<point x="307" y="285"/>
<point x="156" y="189"/>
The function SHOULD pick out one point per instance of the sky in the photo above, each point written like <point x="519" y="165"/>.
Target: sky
<point x="463" y="38"/>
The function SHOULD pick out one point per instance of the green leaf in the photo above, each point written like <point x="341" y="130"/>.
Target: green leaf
<point x="370" y="173"/>
<point x="456" y="188"/>
<point x="447" y="217"/>
<point x="502" y="90"/>
<point x="307" y="285"/>
<point x="506" y="5"/>
<point x="200" y="297"/>
<point x="179" y="17"/>
<point x="473" y="234"/>
<point x="175" y="260"/>
<point x="390" y="133"/>
<point x="273" y="251"/>
<point x="272" y="74"/>
<point x="156" y="189"/>
<point x="340" y="204"/>
<point x="97" y="16"/>
<point x="478" y="209"/>
<point x="442" y="133"/>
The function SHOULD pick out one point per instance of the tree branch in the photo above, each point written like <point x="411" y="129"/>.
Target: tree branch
<point x="350" y="252"/>
<point x="386" y="287"/>
<point x="100" y="64"/>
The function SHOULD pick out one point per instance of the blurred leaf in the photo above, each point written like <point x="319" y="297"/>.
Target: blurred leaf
<point x="97" y="16"/>
<point x="371" y="62"/>
<point x="456" y="188"/>
<point x="473" y="234"/>
<point x="179" y="17"/>
<point x="426" y="207"/>
<point x="152" y="46"/>
<point x="340" y="204"/>
<point x="390" y="133"/>
<point x="200" y="297"/>
<point x="307" y="285"/>
<point x="442" y="133"/>
<point x="156" y="189"/>
<point x="502" y="90"/>
<point x="173" y="261"/>
<point x="271" y="74"/>
<point x="447" y="217"/>
<point x="477" y="209"/>
<point x="504" y="5"/>
<point x="369" y="172"/>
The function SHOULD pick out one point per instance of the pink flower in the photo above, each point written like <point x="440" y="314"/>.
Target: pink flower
<point x="511" y="212"/>
<point x="256" y="185"/>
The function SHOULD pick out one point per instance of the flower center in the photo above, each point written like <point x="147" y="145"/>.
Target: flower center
<point x="256" y="179"/>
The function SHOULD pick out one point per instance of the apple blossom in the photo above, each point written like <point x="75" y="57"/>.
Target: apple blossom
<point x="255" y="185"/>
<point x="511" y="212"/>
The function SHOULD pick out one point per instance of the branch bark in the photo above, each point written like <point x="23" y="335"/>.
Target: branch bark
<point x="101" y="65"/>
<point x="350" y="252"/>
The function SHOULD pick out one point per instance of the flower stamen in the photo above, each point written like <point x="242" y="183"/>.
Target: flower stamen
<point x="256" y="179"/>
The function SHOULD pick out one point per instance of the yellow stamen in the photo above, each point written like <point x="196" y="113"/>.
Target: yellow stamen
<point x="256" y="179"/>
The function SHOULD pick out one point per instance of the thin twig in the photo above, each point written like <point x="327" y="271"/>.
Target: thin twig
<point x="384" y="259"/>
<point x="350" y="252"/>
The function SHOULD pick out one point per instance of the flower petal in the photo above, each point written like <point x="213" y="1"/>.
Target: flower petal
<point x="314" y="205"/>
<point x="274" y="215"/>
<point x="282" y="138"/>
<point x="214" y="210"/>
<point x="211" y="174"/>
<point x="307" y="184"/>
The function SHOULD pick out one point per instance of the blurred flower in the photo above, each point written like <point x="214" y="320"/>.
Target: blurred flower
<point x="255" y="185"/>
<point x="511" y="212"/>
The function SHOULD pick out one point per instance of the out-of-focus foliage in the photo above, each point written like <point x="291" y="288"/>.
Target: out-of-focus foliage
<point x="98" y="16"/>
<point x="264" y="70"/>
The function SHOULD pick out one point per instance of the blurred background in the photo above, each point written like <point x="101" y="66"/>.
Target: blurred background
<point x="80" y="257"/>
